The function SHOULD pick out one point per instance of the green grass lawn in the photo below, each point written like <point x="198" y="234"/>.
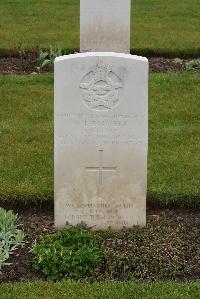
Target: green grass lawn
<point x="72" y="290"/>
<point x="159" y="26"/>
<point x="26" y="134"/>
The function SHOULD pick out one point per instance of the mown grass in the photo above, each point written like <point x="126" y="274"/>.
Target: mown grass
<point x="173" y="170"/>
<point x="162" y="27"/>
<point x="26" y="126"/>
<point x="72" y="290"/>
<point x="26" y="134"/>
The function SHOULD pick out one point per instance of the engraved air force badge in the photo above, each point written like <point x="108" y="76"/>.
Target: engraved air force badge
<point x="100" y="88"/>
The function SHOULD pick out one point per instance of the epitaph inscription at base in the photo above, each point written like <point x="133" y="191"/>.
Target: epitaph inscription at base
<point x="101" y="140"/>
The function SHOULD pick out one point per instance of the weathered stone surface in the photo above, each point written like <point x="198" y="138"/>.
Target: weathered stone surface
<point x="101" y="132"/>
<point x="105" y="25"/>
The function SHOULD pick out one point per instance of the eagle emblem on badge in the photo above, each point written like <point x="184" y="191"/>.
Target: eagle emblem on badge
<point x="100" y="88"/>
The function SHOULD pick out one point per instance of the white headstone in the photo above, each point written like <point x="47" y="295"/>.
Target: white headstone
<point x="105" y="25"/>
<point x="101" y="132"/>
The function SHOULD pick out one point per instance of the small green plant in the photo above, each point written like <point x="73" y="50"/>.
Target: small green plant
<point x="22" y="54"/>
<point x="46" y="58"/>
<point x="10" y="236"/>
<point x="72" y="253"/>
<point x="178" y="61"/>
<point x="193" y="65"/>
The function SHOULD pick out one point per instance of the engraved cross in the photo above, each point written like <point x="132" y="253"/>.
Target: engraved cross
<point x="100" y="170"/>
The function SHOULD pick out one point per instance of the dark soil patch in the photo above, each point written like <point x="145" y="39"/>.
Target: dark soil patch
<point x="15" y="66"/>
<point x="19" y="66"/>
<point x="171" y="239"/>
<point x="163" y="65"/>
<point x="167" y="249"/>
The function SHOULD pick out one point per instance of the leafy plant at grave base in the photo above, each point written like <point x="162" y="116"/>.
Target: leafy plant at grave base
<point x="10" y="236"/>
<point x="72" y="253"/>
<point x="178" y="61"/>
<point x="193" y="65"/>
<point x="46" y="58"/>
<point x="22" y="53"/>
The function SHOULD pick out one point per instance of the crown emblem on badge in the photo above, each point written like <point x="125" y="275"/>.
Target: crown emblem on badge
<point x="101" y="71"/>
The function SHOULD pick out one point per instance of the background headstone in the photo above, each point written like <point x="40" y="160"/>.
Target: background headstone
<point x="105" y="25"/>
<point x="101" y="132"/>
